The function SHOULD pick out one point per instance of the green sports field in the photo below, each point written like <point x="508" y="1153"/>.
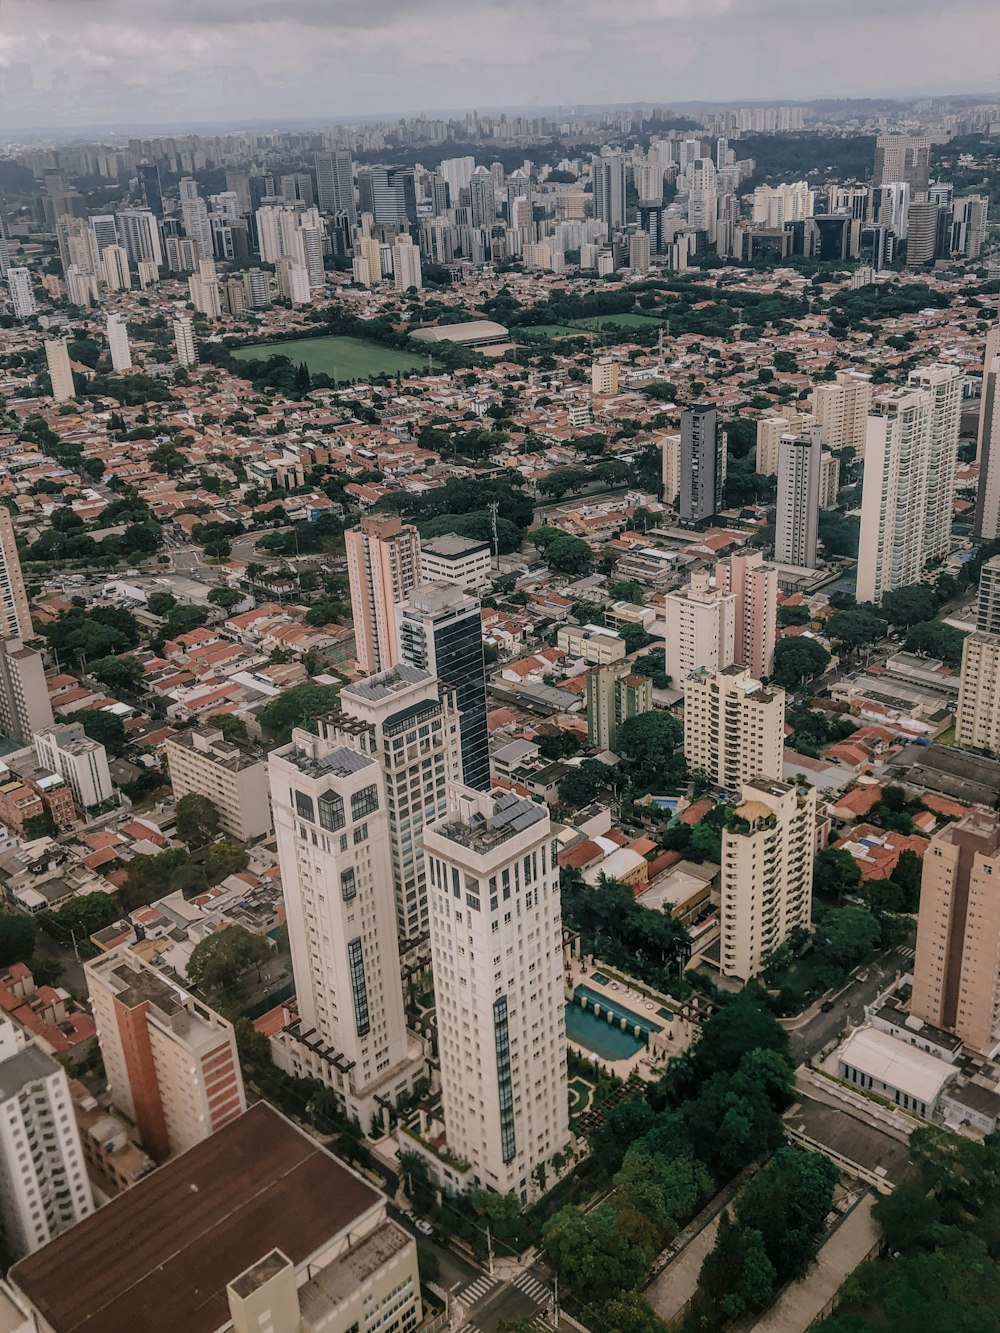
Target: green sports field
<point x="344" y="358"/>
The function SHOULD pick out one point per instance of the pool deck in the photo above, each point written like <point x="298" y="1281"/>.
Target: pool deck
<point x="671" y="1037"/>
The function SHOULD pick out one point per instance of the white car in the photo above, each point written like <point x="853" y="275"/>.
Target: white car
<point x="423" y="1227"/>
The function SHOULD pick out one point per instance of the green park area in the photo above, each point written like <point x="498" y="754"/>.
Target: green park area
<point x="343" y="358"/>
<point x="628" y="320"/>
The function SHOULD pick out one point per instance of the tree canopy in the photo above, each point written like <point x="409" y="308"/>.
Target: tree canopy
<point x="220" y="961"/>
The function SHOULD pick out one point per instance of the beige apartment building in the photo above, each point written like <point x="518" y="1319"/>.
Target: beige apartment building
<point x="956" y="974"/>
<point x="670" y="449"/>
<point x="60" y="371"/>
<point x="15" y="617"/>
<point x="701" y="629"/>
<point x="734" y="727"/>
<point x="171" y="1061"/>
<point x="769" y="433"/>
<point x="202" y="761"/>
<point x="767" y="873"/>
<point x="24" y="697"/>
<point x="841" y="408"/>
<point x="977" y="720"/>
<point x="383" y="566"/>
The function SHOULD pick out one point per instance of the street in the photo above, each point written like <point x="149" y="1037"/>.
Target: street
<point x="849" y="1003"/>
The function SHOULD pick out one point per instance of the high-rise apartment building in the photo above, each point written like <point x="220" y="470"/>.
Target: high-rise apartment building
<point x="767" y="873"/>
<point x="115" y="270"/>
<point x="796" y="529"/>
<point x="185" y="341"/>
<point x="24" y="698"/>
<point x="383" y="566"/>
<point x="67" y="750"/>
<point x="496" y="936"/>
<point x="609" y="190"/>
<point x="956" y="973"/>
<point x="922" y="232"/>
<point x="987" y="523"/>
<point x="482" y="198"/>
<point x="769" y="433"/>
<point x="406" y="271"/>
<point x="841" y="411"/>
<point x="335" y="184"/>
<point x="171" y="1061"/>
<point x="755" y="586"/>
<point x="439" y="629"/>
<point x="988" y="599"/>
<point x="987" y="411"/>
<point x="202" y="761"/>
<point x="203" y="290"/>
<point x="15" y="617"/>
<point x="22" y="297"/>
<point x="977" y="718"/>
<point x="908" y="486"/>
<point x="60" y="371"/>
<point x="118" y="344"/>
<point x="409" y="722"/>
<point x="140" y="232"/>
<point x="734" y="727"/>
<point x="332" y="830"/>
<point x="152" y="191"/>
<point x="701" y="629"/>
<point x="457" y="172"/>
<point x="903" y="157"/>
<point x="702" y="463"/>
<point x="702" y="186"/>
<point x="44" y="1188"/>
<point x="614" y="694"/>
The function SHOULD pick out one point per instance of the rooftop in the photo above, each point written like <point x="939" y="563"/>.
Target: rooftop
<point x="896" y="1064"/>
<point x="481" y="833"/>
<point x="450" y="546"/>
<point x="387" y="683"/>
<point x="27" y="1066"/>
<point x="194" y="1225"/>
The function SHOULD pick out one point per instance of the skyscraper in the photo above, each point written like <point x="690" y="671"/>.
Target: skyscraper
<point x="171" y="1061"/>
<point x="990" y="353"/>
<point x="185" y="341"/>
<point x="734" y="727"/>
<point x="335" y="183"/>
<point x="922" y="233"/>
<point x="797" y="514"/>
<point x="609" y="190"/>
<point x="767" y="873"/>
<point x="988" y="600"/>
<point x="383" y="565"/>
<point x="118" y="345"/>
<point x="115" y="269"/>
<point x="149" y="182"/>
<point x="977" y="717"/>
<point x="332" y="833"/>
<point x="439" y="628"/>
<point x="141" y="233"/>
<point x="44" y="1188"/>
<point x="987" y="523"/>
<point x="956" y="973"/>
<point x="903" y="157"/>
<point x="22" y="297"/>
<point x="906" y="511"/>
<point x="24" y="697"/>
<point x="482" y="198"/>
<point x="841" y="410"/>
<point x="496" y="937"/>
<point x="702" y="195"/>
<point x="60" y="373"/>
<point x="407" y="720"/>
<point x="701" y="463"/>
<point x="701" y="628"/>
<point x="15" y="617"/>
<point x="406" y="265"/>
<point x="755" y="585"/>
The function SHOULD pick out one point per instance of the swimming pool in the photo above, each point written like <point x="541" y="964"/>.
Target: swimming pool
<point x="601" y="979"/>
<point x="596" y="1034"/>
<point x="618" y="1011"/>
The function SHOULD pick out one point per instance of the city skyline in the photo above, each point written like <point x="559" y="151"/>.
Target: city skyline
<point x="101" y="62"/>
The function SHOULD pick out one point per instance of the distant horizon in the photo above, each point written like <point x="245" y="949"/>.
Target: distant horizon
<point x="111" y="65"/>
<point x="300" y="121"/>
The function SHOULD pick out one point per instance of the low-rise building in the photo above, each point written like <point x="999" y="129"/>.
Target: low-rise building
<point x="590" y="643"/>
<point x="201" y="761"/>
<point x="454" y="559"/>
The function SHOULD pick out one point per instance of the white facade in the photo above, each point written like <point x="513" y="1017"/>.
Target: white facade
<point x="67" y="750"/>
<point x="44" y="1188"/>
<point x="977" y="720"/>
<point x="22" y="297"/>
<point x="118" y="345"/>
<point x="402" y="718"/>
<point x="203" y="290"/>
<point x="332" y="830"/>
<point x="202" y="762"/>
<point x="496" y="935"/>
<point x="796" y="530"/>
<point x="185" y="341"/>
<point x="767" y="873"/>
<point x="460" y="560"/>
<point x="734" y="727"/>
<point x="406" y="265"/>
<point x="115" y="269"/>
<point x="701" y="629"/>
<point x="60" y="372"/>
<point x="841" y="410"/>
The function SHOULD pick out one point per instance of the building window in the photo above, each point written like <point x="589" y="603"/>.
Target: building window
<point x="304" y="806"/>
<point x="331" y="811"/>
<point x="348" y="887"/>
<point x="359" y="987"/>
<point x="505" y="1088"/>
<point x="364" y="802"/>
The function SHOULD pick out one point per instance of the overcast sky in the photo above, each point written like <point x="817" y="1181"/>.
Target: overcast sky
<point x="120" y="62"/>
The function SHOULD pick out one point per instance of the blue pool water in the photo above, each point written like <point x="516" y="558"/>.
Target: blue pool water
<point x="667" y="1014"/>
<point x="601" y="979"/>
<point x="598" y="1035"/>
<point x="619" y="1011"/>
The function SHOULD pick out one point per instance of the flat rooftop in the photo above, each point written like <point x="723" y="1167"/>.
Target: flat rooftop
<point x="373" y="689"/>
<point x="450" y="546"/>
<point x="157" y="1259"/>
<point x="511" y="815"/>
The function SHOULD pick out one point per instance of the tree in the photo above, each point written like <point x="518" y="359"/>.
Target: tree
<point x="742" y="1024"/>
<point x="651" y="743"/>
<point x="106" y="728"/>
<point x="582" y="783"/>
<point x="161" y="603"/>
<point x="17" y="938"/>
<point x="846" y="936"/>
<point x="122" y="675"/>
<point x="933" y="638"/>
<point x="197" y="819"/>
<point x="39" y="826"/>
<point x="667" y="1190"/>
<point x="787" y="1202"/>
<point x="629" y="1312"/>
<point x="798" y="660"/>
<point x="222" y="859"/>
<point x="591" y="1255"/>
<point x="835" y="873"/>
<point x="854" y="629"/>
<point x="298" y="707"/>
<point x="907" y="876"/>
<point x="150" y="877"/>
<point x="233" y="728"/>
<point x="909" y="606"/>
<point x="792" y="615"/>
<point x="220" y="961"/>
<point x="83" y="915"/>
<point x="227" y="598"/>
<point x="569" y="555"/>
<point x="737" y="1275"/>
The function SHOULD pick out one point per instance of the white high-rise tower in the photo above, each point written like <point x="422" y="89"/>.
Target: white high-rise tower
<point x="121" y="353"/>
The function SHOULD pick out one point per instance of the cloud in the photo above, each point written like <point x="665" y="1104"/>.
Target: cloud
<point x="89" y="62"/>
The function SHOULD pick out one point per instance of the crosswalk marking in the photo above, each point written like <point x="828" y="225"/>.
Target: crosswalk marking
<point x="475" y="1291"/>
<point x="532" y="1287"/>
<point x="908" y="953"/>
